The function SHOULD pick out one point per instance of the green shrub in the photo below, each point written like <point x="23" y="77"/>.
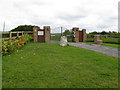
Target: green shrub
<point x="8" y="46"/>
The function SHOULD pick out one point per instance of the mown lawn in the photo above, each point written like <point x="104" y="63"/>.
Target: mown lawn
<point x="42" y="65"/>
<point x="111" y="45"/>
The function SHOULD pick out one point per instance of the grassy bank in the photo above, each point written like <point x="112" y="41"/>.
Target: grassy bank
<point x="42" y="65"/>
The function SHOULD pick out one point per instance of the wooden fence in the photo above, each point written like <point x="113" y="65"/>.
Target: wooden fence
<point x="18" y="34"/>
<point x="103" y="36"/>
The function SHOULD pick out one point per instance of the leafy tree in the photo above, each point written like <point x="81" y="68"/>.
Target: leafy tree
<point x="25" y="28"/>
<point x="66" y="32"/>
<point x="114" y="32"/>
<point x="94" y="32"/>
<point x="109" y="33"/>
<point x="103" y="32"/>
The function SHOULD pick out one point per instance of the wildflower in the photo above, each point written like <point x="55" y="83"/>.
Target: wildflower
<point x="21" y="57"/>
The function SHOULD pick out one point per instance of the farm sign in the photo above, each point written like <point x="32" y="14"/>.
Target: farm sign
<point x="40" y="33"/>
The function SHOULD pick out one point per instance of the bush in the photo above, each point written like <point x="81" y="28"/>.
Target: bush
<point x="8" y="46"/>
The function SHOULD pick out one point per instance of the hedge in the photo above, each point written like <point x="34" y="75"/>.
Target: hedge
<point x="9" y="46"/>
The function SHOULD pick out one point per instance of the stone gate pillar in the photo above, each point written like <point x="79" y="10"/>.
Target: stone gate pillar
<point x="47" y="33"/>
<point x="84" y="35"/>
<point x="76" y="34"/>
<point x="35" y="37"/>
<point x="97" y="39"/>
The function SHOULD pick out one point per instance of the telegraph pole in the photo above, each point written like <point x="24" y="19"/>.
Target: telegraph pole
<point x="61" y="31"/>
<point x="4" y="27"/>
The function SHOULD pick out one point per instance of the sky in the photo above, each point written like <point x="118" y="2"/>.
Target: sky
<point x="92" y="15"/>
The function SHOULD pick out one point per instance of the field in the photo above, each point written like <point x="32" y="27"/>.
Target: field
<point x="42" y="65"/>
<point x="111" y="42"/>
<point x="107" y="44"/>
<point x="105" y="40"/>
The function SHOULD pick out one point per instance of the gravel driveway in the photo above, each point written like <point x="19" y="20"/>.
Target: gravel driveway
<point x="98" y="48"/>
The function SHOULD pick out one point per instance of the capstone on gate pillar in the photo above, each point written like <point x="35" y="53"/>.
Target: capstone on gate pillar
<point x="47" y="33"/>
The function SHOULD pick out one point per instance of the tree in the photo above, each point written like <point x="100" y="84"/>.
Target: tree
<point x="25" y="28"/>
<point x="66" y="32"/>
<point x="103" y="32"/>
<point x="94" y="32"/>
<point x="109" y="32"/>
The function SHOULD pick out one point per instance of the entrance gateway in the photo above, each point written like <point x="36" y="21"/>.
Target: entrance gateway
<point x="79" y="35"/>
<point x="43" y="35"/>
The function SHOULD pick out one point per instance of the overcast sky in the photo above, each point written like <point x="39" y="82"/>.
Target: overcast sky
<point x="93" y="15"/>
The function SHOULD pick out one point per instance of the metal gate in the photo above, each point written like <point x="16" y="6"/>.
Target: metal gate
<point x="57" y="32"/>
<point x="75" y="35"/>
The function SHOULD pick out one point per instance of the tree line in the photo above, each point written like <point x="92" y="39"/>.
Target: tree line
<point x="66" y="32"/>
<point x="105" y="33"/>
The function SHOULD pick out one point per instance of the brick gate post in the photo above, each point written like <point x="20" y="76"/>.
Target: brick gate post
<point x="84" y="35"/>
<point x="35" y="36"/>
<point x="97" y="39"/>
<point x="47" y="33"/>
<point x="76" y="34"/>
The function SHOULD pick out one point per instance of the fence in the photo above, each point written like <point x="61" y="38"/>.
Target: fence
<point x="103" y="36"/>
<point x="14" y="35"/>
<point x="57" y="37"/>
<point x="106" y="38"/>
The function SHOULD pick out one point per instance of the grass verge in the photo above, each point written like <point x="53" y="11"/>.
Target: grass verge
<point x="107" y="44"/>
<point x="42" y="65"/>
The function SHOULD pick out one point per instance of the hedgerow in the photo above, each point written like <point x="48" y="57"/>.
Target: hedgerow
<point x="9" y="46"/>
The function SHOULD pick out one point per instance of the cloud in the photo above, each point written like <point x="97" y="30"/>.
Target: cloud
<point x="70" y="17"/>
<point x="89" y="14"/>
